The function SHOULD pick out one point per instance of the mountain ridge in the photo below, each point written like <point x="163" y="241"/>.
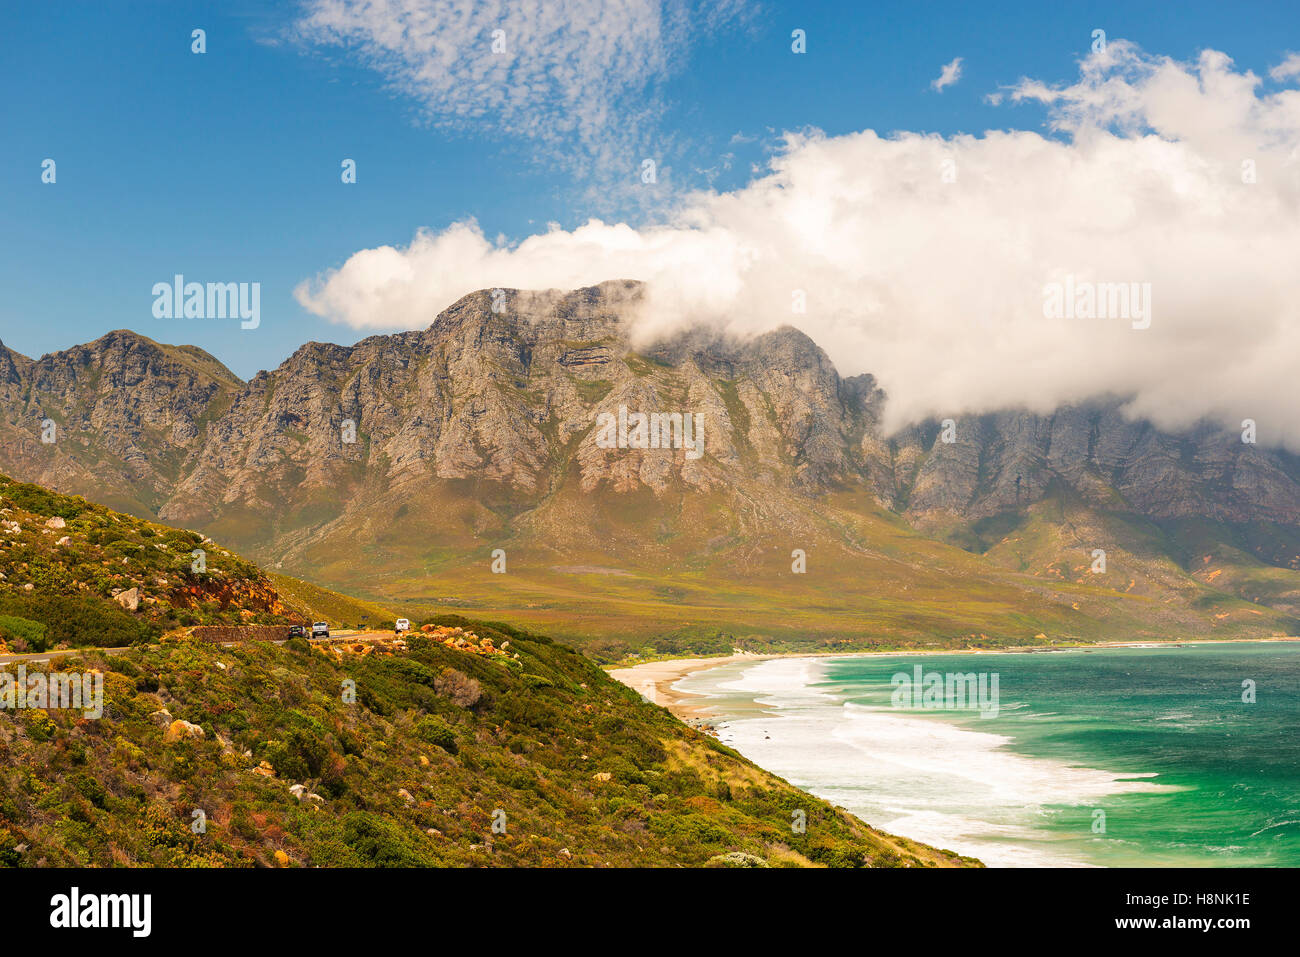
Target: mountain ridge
<point x="426" y="449"/>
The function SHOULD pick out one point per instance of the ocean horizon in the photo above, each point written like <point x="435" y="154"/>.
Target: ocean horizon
<point x="1118" y="756"/>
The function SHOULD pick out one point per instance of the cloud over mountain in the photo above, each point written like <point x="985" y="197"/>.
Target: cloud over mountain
<point x="924" y="259"/>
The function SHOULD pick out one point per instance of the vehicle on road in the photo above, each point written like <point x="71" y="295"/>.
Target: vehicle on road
<point x="320" y="629"/>
<point x="401" y="625"/>
<point x="297" y="631"/>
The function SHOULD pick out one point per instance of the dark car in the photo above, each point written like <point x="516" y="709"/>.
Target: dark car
<point x="297" y="631"/>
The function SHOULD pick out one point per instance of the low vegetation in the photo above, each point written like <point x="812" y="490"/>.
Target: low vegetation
<point x="463" y="743"/>
<point x="431" y="755"/>
<point x="74" y="573"/>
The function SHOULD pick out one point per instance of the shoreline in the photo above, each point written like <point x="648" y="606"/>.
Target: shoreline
<point x="906" y="787"/>
<point x="654" y="680"/>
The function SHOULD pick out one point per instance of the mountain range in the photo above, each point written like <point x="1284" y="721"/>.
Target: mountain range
<point x="460" y="466"/>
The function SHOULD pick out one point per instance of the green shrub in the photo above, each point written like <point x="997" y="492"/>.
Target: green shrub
<point x="80" y="620"/>
<point x="33" y="498"/>
<point x="300" y="756"/>
<point x="32" y="632"/>
<point x="299" y="646"/>
<point x="436" y="731"/>
<point x="379" y="842"/>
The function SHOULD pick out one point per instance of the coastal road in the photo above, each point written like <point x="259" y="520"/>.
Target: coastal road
<point x="64" y="652"/>
<point x="61" y="653"/>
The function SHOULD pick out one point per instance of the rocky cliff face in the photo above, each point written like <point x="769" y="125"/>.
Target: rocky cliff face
<point x="1007" y="460"/>
<point x="128" y="415"/>
<point x="496" y="410"/>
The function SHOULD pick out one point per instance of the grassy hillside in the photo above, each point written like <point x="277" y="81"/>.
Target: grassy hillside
<point x="73" y="573"/>
<point x="1182" y="578"/>
<point x="473" y="744"/>
<point x="76" y="574"/>
<point x="611" y="574"/>
<point x="438" y="744"/>
<point x="319" y="604"/>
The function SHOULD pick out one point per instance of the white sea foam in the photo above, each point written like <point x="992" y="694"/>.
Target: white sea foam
<point x="921" y="776"/>
<point x="782" y="681"/>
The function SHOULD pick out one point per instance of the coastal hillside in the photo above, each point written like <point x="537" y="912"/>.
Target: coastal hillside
<point x="468" y="745"/>
<point x="74" y="574"/>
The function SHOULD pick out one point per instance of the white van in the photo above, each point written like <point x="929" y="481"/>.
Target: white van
<point x="401" y="625"/>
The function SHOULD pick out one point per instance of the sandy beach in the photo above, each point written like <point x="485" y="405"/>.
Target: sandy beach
<point x="655" y="680"/>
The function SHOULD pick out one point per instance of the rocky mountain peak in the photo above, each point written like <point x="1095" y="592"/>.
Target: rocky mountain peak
<point x="492" y="410"/>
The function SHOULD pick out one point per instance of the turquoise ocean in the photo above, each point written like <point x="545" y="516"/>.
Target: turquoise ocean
<point x="1102" y="757"/>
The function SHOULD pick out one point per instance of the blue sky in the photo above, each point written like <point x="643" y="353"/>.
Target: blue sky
<point x="225" y="166"/>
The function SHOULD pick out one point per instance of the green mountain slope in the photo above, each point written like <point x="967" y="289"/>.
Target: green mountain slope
<point x="575" y="768"/>
<point x="617" y="577"/>
<point x="407" y="753"/>
<point x="91" y="576"/>
<point x="77" y="574"/>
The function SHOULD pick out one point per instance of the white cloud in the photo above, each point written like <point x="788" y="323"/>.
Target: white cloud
<point x="574" y="79"/>
<point x="1287" y="69"/>
<point x="936" y="285"/>
<point x="949" y="75"/>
